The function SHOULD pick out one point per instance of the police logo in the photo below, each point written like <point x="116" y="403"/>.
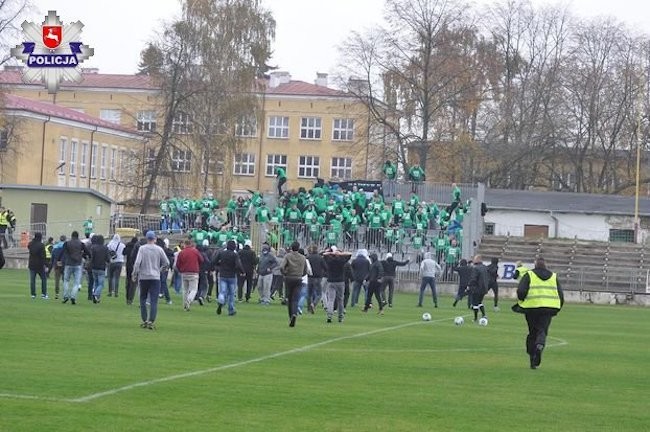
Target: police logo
<point x="53" y="52"/>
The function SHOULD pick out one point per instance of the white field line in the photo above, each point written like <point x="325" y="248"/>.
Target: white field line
<point x="40" y="398"/>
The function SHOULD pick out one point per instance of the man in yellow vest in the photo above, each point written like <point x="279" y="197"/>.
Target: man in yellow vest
<point x="520" y="270"/>
<point x="540" y="299"/>
<point x="4" y="224"/>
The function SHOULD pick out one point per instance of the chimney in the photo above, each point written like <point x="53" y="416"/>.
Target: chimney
<point x="321" y="79"/>
<point x="358" y="86"/>
<point x="90" y="70"/>
<point x="279" y="77"/>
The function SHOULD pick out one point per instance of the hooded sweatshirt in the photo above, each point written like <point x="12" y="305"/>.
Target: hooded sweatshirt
<point x="116" y="245"/>
<point x="428" y="267"/>
<point x="361" y="266"/>
<point x="267" y="262"/>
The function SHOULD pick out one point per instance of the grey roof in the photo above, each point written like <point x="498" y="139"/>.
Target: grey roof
<point x="564" y="202"/>
<point x="57" y="189"/>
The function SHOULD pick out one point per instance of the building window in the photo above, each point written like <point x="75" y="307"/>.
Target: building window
<point x="4" y="139"/>
<point x="274" y="161"/>
<point x="63" y="148"/>
<point x="310" y="128"/>
<point x="150" y="160"/>
<point x="244" y="164"/>
<point x="146" y="121"/>
<point x="181" y="160"/>
<point x="112" y="166"/>
<point x="308" y="166"/>
<point x="73" y="158"/>
<point x="102" y="167"/>
<point x="278" y="127"/>
<point x="343" y="130"/>
<point x="621" y="235"/>
<point x="182" y="123"/>
<point x="246" y="127"/>
<point x="83" y="159"/>
<point x="110" y="115"/>
<point x="341" y="168"/>
<point x="93" y="161"/>
<point x="488" y="228"/>
<point x="210" y="165"/>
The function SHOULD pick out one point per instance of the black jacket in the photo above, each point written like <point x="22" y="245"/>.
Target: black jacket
<point x="524" y="286"/>
<point x="464" y="274"/>
<point x="229" y="263"/>
<point x="74" y="251"/>
<point x="248" y="259"/>
<point x="493" y="275"/>
<point x="335" y="264"/>
<point x="37" y="259"/>
<point x="479" y="280"/>
<point x="99" y="257"/>
<point x="318" y="266"/>
<point x="376" y="272"/>
<point x="130" y="256"/>
<point x="390" y="264"/>
<point x="360" y="268"/>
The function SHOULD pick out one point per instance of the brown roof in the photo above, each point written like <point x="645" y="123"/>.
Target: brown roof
<point x="301" y="88"/>
<point x="45" y="108"/>
<point x="94" y="80"/>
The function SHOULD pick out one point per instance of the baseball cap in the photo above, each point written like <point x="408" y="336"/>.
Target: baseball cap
<point x="151" y="235"/>
<point x="389" y="255"/>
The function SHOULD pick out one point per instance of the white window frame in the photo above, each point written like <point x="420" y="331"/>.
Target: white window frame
<point x="246" y="127"/>
<point x="213" y="166"/>
<point x="73" y="157"/>
<point x="113" y="161"/>
<point x="274" y="161"/>
<point x="341" y="165"/>
<point x="343" y="129"/>
<point x="83" y="157"/>
<point x="182" y="123"/>
<point x="102" y="163"/>
<point x="94" y="148"/>
<point x="111" y="115"/>
<point x="181" y="160"/>
<point x="63" y="154"/>
<point x="146" y="121"/>
<point x="308" y="166"/>
<point x="311" y="128"/>
<point x="278" y="127"/>
<point x="244" y="164"/>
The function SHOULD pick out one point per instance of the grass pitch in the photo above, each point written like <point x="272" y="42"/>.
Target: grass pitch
<point x="92" y="368"/>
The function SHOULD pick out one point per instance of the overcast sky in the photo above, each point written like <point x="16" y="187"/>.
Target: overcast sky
<point x="307" y="31"/>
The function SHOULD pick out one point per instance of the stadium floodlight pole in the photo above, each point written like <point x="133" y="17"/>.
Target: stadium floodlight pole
<point x="638" y="159"/>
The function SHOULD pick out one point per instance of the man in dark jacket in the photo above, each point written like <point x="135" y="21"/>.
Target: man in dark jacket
<point x="130" y="260"/>
<point x="99" y="258"/>
<point x="57" y="265"/>
<point x="464" y="272"/>
<point x="230" y="265"/>
<point x="335" y="264"/>
<point x="249" y="261"/>
<point x="72" y="257"/>
<point x="37" y="265"/>
<point x="315" y="281"/>
<point x="389" y="265"/>
<point x="540" y="299"/>
<point x="374" y="283"/>
<point x="360" y="270"/>
<point x="478" y="286"/>
<point x="493" y="284"/>
<point x="293" y="268"/>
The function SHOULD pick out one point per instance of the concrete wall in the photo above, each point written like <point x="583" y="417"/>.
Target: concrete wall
<point x="560" y="225"/>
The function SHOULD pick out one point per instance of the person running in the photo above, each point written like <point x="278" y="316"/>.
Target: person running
<point x="334" y="263"/>
<point x="149" y="261"/>
<point x="360" y="270"/>
<point x="116" y="252"/>
<point x="229" y="265"/>
<point x="374" y="284"/>
<point x="99" y="257"/>
<point x="249" y="261"/>
<point x="540" y="298"/>
<point x="57" y="265"/>
<point x="315" y="281"/>
<point x="429" y="269"/>
<point x="493" y="284"/>
<point x="130" y="252"/>
<point x="37" y="265"/>
<point x="74" y="251"/>
<point x="294" y="267"/>
<point x="389" y="265"/>
<point x="267" y="263"/>
<point x="478" y="286"/>
<point x="464" y="272"/>
<point x="188" y="263"/>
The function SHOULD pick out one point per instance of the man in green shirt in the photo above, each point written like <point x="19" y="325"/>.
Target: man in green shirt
<point x="88" y="226"/>
<point x="440" y="243"/>
<point x="416" y="176"/>
<point x="390" y="172"/>
<point x="452" y="256"/>
<point x="281" y="175"/>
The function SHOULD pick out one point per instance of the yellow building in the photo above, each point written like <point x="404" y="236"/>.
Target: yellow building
<point x="309" y="129"/>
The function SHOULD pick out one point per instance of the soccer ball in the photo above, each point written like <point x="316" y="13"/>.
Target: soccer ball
<point x="483" y="322"/>
<point x="459" y="320"/>
<point x="426" y="316"/>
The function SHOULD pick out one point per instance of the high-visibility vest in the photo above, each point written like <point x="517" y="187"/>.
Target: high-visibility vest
<point x="522" y="271"/>
<point x="3" y="218"/>
<point x="48" y="251"/>
<point x="541" y="293"/>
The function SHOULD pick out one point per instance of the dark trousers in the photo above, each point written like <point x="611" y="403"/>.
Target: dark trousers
<point x="314" y="290"/>
<point x="248" y="278"/>
<point x="292" y="286"/>
<point x="130" y="286"/>
<point x="32" y="281"/>
<point x="164" y="287"/>
<point x="211" y="284"/>
<point x="58" y="275"/>
<point x="281" y="182"/>
<point x="203" y="285"/>
<point x="149" y="290"/>
<point x="91" y="283"/>
<point x="276" y="285"/>
<point x="538" y="324"/>
<point x="114" y="273"/>
<point x="388" y="281"/>
<point x="374" y="287"/>
<point x="495" y="289"/>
